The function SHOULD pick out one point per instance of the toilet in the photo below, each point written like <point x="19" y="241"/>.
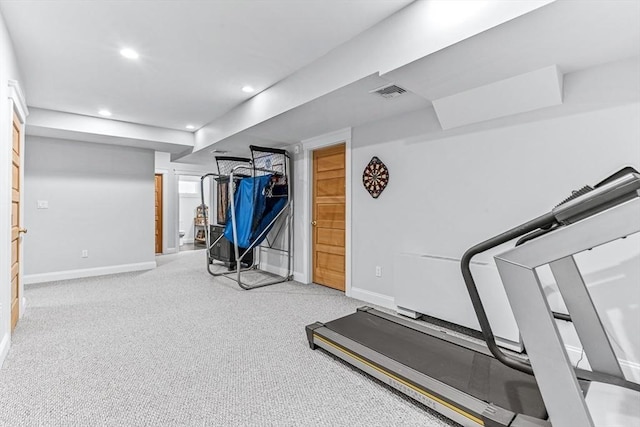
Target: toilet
<point x="181" y="234"/>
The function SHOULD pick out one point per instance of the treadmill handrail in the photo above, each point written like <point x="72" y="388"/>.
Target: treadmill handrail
<point x="608" y="194"/>
<point x="612" y="191"/>
<point x="543" y="221"/>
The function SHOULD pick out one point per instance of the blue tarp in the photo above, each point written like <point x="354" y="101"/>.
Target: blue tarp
<point x="254" y="211"/>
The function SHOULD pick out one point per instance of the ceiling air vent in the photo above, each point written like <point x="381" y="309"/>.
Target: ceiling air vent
<point x="389" y="91"/>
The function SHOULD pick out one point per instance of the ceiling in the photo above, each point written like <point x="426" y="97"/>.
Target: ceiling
<point x="572" y="35"/>
<point x="195" y="55"/>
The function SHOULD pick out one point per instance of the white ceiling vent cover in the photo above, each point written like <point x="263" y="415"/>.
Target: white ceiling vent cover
<point x="389" y="91"/>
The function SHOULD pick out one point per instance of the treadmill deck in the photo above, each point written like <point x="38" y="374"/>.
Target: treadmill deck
<point x="476" y="374"/>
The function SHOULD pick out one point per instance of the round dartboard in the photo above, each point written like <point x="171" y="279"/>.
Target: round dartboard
<point x="375" y="177"/>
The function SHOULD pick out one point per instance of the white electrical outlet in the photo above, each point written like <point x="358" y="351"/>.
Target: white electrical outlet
<point x="378" y="271"/>
<point x="85" y="253"/>
<point x="43" y="204"/>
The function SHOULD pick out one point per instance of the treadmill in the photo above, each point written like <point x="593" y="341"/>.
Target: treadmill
<point x="476" y="384"/>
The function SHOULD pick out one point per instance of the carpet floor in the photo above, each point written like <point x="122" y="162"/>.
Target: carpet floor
<point x="174" y="346"/>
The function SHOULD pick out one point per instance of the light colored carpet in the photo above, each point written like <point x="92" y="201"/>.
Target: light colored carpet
<point x="175" y="347"/>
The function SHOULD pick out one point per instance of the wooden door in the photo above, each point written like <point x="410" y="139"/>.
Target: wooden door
<point x="158" y="213"/>
<point x="329" y="217"/>
<point x="16" y="186"/>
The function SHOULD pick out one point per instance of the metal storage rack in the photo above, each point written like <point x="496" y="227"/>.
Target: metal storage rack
<point x="277" y="235"/>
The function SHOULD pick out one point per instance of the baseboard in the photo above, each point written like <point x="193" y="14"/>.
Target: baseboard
<point x="273" y="261"/>
<point x="273" y="269"/>
<point x="299" y="277"/>
<point x="170" y="251"/>
<point x="630" y="369"/>
<point x="4" y="347"/>
<point x="372" y="298"/>
<point x="87" y="272"/>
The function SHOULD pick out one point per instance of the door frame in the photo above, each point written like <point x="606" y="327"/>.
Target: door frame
<point x="342" y="136"/>
<point x="177" y="173"/>
<point x="17" y="106"/>
<point x="163" y="240"/>
<point x="165" y="211"/>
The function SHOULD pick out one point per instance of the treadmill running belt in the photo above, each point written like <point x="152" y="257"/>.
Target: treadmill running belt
<point x="476" y="374"/>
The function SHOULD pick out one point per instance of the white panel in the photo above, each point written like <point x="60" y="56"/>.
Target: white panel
<point x="525" y="92"/>
<point x="372" y="298"/>
<point x="434" y="286"/>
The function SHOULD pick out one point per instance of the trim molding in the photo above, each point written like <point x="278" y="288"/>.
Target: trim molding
<point x="373" y="298"/>
<point x="308" y="145"/>
<point x="165" y="207"/>
<point x="18" y="105"/>
<point x="87" y="272"/>
<point x="4" y="347"/>
<point x="273" y="269"/>
<point x="327" y="139"/>
<point x="630" y="369"/>
<point x="184" y="172"/>
<point x="275" y="265"/>
<point x="17" y="96"/>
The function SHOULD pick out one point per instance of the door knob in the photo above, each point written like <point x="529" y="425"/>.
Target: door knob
<point x="313" y="223"/>
<point x="22" y="230"/>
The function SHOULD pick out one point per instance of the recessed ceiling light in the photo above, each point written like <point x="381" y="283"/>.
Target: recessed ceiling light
<point x="129" y="53"/>
<point x="190" y="127"/>
<point x="105" y="113"/>
<point x="247" y="89"/>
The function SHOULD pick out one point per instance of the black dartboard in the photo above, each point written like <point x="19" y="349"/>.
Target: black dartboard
<point x="375" y="177"/>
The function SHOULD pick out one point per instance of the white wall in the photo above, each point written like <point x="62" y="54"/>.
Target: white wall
<point x="100" y="198"/>
<point x="447" y="194"/>
<point x="451" y="189"/>
<point x="8" y="71"/>
<point x="455" y="188"/>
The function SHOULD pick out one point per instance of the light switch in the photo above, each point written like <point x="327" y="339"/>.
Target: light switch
<point x="43" y="204"/>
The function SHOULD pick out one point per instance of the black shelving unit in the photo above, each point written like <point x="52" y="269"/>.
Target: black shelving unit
<point x="223" y="250"/>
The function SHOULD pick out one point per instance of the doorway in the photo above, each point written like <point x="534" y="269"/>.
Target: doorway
<point x="329" y="217"/>
<point x="16" y="230"/>
<point x="159" y="213"/>
<point x="191" y="224"/>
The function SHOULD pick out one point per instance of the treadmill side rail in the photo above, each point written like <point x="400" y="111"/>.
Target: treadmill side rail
<point x="496" y="417"/>
<point x="467" y="410"/>
<point x="527" y="421"/>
